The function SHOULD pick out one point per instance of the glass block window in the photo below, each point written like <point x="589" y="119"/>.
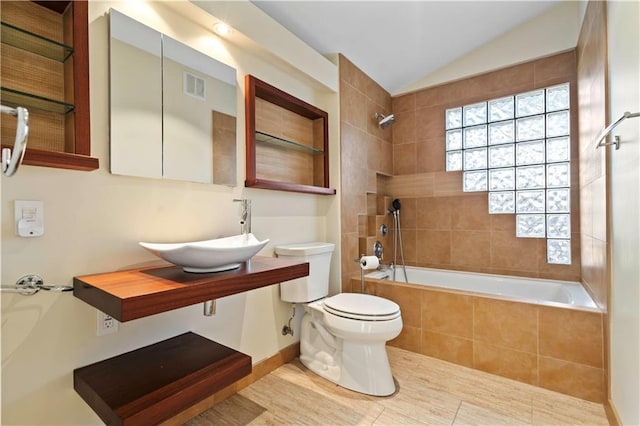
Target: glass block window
<point x="518" y="149"/>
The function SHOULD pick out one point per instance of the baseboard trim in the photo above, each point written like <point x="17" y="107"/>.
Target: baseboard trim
<point x="612" y="413"/>
<point x="259" y="370"/>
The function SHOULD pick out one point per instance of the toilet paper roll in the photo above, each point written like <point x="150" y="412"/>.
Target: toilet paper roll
<point x="369" y="262"/>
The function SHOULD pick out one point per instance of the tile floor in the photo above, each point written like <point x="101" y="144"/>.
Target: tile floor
<point x="431" y="392"/>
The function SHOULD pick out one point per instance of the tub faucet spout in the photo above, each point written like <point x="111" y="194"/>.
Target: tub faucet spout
<point x="382" y="267"/>
<point x="245" y="215"/>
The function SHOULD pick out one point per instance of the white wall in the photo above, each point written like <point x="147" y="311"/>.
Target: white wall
<point x="552" y="32"/>
<point x="93" y="221"/>
<point x="623" y="43"/>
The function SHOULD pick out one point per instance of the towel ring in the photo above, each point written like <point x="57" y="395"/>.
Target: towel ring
<point x="11" y="160"/>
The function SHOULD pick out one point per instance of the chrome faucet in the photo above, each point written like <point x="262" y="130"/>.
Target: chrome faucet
<point x="245" y="215"/>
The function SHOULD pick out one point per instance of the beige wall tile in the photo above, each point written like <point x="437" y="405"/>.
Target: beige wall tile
<point x="409" y="339"/>
<point x="517" y="365"/>
<point x="446" y="184"/>
<point x="470" y="248"/>
<point x="409" y="241"/>
<point x="470" y="212"/>
<point x="404" y="128"/>
<point x="429" y="123"/>
<point x="404" y="103"/>
<point x="353" y="106"/>
<point x="507" y="324"/>
<point x="404" y="159"/>
<point x="454" y="349"/>
<point x="434" y="213"/>
<point x="353" y="146"/>
<point x="352" y="74"/>
<point x="433" y="247"/>
<point x="571" y="335"/>
<point x="430" y="155"/>
<point x="572" y="379"/>
<point x="503" y="222"/>
<point x="555" y="69"/>
<point x="511" y="252"/>
<point x="408" y="213"/>
<point x="386" y="160"/>
<point x="510" y="80"/>
<point x="447" y="313"/>
<point x="409" y="301"/>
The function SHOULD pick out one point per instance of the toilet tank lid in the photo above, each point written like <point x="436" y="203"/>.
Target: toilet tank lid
<point x="304" y="249"/>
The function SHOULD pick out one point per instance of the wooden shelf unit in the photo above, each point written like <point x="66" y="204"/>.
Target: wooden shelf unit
<point x="287" y="142"/>
<point x="137" y="293"/>
<point x="45" y="68"/>
<point x="154" y="383"/>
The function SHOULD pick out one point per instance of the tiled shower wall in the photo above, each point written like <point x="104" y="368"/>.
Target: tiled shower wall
<point x="446" y="228"/>
<point x="366" y="152"/>
<point x="593" y="110"/>
<point x="592" y="59"/>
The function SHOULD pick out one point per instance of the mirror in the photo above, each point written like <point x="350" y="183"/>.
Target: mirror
<point x="173" y="109"/>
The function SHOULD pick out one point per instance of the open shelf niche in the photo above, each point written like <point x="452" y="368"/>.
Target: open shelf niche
<point x="287" y="141"/>
<point x="45" y="68"/>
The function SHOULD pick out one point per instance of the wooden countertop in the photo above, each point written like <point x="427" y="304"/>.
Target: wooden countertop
<point x="137" y="293"/>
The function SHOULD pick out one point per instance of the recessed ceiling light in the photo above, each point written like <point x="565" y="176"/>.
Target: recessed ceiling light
<point x="222" y="29"/>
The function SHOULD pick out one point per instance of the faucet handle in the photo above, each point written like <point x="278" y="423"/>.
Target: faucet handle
<point x="245" y="215"/>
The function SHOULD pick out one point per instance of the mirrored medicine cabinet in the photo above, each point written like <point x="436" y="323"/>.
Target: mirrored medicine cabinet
<point x="172" y="108"/>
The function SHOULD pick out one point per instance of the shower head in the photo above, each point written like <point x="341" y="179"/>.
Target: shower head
<point x="384" y="121"/>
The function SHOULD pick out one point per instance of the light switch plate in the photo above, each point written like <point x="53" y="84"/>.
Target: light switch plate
<point x="29" y="216"/>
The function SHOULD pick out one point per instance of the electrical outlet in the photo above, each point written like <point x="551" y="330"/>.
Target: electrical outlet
<point x="106" y="324"/>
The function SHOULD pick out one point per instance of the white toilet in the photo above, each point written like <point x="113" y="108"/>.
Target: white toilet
<point x="343" y="337"/>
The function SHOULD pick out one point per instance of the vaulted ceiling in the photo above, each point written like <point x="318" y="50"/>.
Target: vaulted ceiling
<point x="398" y="42"/>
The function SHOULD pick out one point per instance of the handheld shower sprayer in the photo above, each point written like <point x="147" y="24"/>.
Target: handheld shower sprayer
<point x="397" y="238"/>
<point x="395" y="207"/>
<point x="384" y="120"/>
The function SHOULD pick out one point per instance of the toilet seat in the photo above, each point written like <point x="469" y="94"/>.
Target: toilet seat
<point x="363" y="307"/>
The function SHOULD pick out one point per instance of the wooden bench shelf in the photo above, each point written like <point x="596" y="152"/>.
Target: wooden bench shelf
<point x="137" y="293"/>
<point x="156" y="382"/>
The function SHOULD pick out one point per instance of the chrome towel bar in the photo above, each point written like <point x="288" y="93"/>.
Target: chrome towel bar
<point x="616" y="140"/>
<point x="31" y="284"/>
<point x="11" y="160"/>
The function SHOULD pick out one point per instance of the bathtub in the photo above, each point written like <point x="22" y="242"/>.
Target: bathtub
<point x="528" y="290"/>
<point x="525" y="329"/>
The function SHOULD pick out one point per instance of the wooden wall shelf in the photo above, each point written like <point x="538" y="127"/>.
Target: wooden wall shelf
<point x="45" y="67"/>
<point x="156" y="382"/>
<point x="137" y="293"/>
<point x="287" y="141"/>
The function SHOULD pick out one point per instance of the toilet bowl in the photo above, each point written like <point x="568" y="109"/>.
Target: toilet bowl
<point x="343" y="337"/>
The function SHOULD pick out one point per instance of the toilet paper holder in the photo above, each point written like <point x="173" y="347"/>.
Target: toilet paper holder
<point x="367" y="263"/>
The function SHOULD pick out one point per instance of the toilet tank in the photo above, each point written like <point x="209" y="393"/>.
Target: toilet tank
<point x="316" y="285"/>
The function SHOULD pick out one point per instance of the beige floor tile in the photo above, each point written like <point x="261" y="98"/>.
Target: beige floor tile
<point x="235" y="410"/>
<point x="552" y="408"/>
<point x="431" y="391"/>
<point x="392" y="418"/>
<point x="504" y="396"/>
<point x="416" y="399"/>
<point x="469" y="414"/>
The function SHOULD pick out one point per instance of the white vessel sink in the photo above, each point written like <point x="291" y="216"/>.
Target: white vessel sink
<point x="217" y="255"/>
